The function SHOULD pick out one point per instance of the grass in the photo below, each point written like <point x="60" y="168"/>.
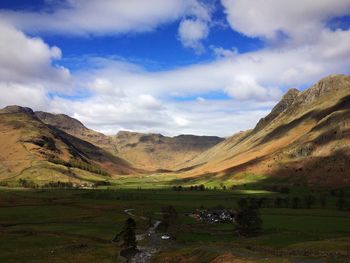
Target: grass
<point x="77" y="225"/>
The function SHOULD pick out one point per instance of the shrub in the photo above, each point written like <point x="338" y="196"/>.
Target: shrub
<point x="249" y="222"/>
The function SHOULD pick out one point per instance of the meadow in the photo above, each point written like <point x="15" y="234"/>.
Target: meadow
<point x="72" y="225"/>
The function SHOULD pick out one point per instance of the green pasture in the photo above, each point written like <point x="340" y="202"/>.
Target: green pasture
<point x="42" y="225"/>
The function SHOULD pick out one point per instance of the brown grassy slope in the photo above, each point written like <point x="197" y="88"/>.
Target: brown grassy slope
<point x="146" y="151"/>
<point x="25" y="141"/>
<point x="305" y="137"/>
<point x="77" y="129"/>
<point x="155" y="151"/>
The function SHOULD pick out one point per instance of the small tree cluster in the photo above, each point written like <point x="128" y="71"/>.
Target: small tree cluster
<point x="308" y="201"/>
<point x="59" y="184"/>
<point x="129" y="234"/>
<point x="170" y="220"/>
<point x="342" y="204"/>
<point x="92" y="168"/>
<point x="253" y="202"/>
<point x="248" y="220"/>
<point x="27" y="183"/>
<point x="190" y="188"/>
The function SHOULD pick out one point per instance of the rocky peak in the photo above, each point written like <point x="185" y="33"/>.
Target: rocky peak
<point x="287" y="100"/>
<point x="17" y="109"/>
<point x="328" y="84"/>
<point x="60" y="121"/>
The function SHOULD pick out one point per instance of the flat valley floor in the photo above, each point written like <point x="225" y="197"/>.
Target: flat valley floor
<point x="53" y="225"/>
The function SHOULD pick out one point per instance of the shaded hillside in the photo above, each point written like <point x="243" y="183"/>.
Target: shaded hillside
<point x="146" y="151"/>
<point x="306" y="138"/>
<point x="30" y="148"/>
<point x="77" y="129"/>
<point x="155" y="151"/>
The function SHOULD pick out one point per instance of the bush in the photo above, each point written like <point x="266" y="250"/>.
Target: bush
<point x="309" y="201"/>
<point x="170" y="220"/>
<point x="249" y="222"/>
<point x="341" y="203"/>
<point x="296" y="202"/>
<point x="59" y="184"/>
<point x="27" y="183"/>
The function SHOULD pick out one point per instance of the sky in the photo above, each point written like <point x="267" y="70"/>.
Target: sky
<point x="205" y="67"/>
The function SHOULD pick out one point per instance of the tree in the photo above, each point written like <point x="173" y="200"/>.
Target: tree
<point x="261" y="202"/>
<point x="341" y="203"/>
<point x="243" y="202"/>
<point x="286" y="202"/>
<point x="296" y="202"/>
<point x="128" y="234"/>
<point x="248" y="221"/>
<point x="309" y="200"/>
<point x="278" y="202"/>
<point x="170" y="219"/>
<point x="323" y="201"/>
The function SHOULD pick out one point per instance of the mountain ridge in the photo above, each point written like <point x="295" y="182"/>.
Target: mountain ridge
<point x="305" y="138"/>
<point x="302" y="132"/>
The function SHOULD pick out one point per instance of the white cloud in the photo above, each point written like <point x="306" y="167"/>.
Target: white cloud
<point x="220" y="52"/>
<point x="101" y="17"/>
<point x="122" y="95"/>
<point x="182" y="122"/>
<point x="24" y="58"/>
<point x="104" y="86"/>
<point x="192" y="32"/>
<point x="149" y="102"/>
<point x="26" y="70"/>
<point x="245" y="87"/>
<point x="26" y="95"/>
<point x="301" y="20"/>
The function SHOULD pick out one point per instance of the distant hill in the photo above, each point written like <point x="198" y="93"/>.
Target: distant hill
<point x="153" y="152"/>
<point x="158" y="152"/>
<point x="305" y="139"/>
<point x="75" y="128"/>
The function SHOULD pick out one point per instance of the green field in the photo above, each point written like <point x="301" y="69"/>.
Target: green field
<point x="52" y="225"/>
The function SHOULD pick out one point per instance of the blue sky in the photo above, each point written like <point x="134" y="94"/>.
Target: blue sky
<point x="157" y="50"/>
<point x="175" y="66"/>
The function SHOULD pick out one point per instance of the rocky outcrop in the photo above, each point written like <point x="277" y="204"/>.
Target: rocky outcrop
<point x="287" y="100"/>
<point x="61" y="121"/>
<point x="16" y="109"/>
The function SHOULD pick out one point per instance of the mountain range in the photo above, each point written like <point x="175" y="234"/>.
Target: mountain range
<point x="305" y="139"/>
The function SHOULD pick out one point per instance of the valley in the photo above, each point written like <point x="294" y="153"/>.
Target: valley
<point x="78" y="226"/>
<point x="66" y="191"/>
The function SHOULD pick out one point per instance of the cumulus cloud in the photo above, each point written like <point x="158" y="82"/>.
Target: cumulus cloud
<point x="95" y="17"/>
<point x="122" y="95"/>
<point x="245" y="87"/>
<point x="27" y="72"/>
<point x="300" y="20"/>
<point x="32" y="95"/>
<point x="192" y="32"/>
<point x="220" y="52"/>
<point x="24" y="58"/>
<point x="99" y="17"/>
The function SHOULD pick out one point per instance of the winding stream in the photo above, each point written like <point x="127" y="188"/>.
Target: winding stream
<point x="145" y="252"/>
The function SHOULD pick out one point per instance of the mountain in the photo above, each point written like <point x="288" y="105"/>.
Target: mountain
<point x="305" y="139"/>
<point x="158" y="152"/>
<point x="75" y="128"/>
<point x="153" y="152"/>
<point x="29" y="148"/>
